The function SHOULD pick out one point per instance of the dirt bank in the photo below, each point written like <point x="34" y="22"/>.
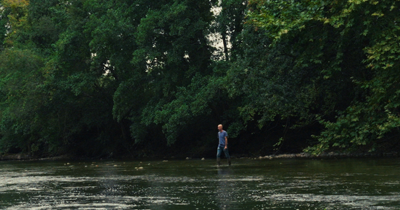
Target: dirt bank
<point x="8" y="157"/>
<point x="330" y="155"/>
<point x="21" y="157"/>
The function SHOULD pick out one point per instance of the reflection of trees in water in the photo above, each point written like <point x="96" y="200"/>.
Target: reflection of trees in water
<point x="226" y="190"/>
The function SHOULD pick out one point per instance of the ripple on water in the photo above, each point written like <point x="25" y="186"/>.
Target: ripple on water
<point x="186" y="185"/>
<point x="349" y="201"/>
<point x="108" y="202"/>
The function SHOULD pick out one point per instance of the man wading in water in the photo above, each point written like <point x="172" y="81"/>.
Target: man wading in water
<point x="223" y="145"/>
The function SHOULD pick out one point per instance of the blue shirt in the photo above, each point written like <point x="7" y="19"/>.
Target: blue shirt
<point x="221" y="137"/>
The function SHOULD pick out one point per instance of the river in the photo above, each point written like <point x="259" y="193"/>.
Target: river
<point x="200" y="184"/>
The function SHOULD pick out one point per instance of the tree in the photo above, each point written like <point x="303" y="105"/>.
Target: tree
<point x="21" y="99"/>
<point x="334" y="40"/>
<point x="172" y="48"/>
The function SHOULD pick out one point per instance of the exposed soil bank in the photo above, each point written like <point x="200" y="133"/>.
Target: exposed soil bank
<point x="9" y="157"/>
<point x="21" y="156"/>
<point x="330" y="155"/>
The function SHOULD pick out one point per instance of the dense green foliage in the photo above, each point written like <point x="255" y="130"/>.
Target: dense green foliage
<point x="102" y="78"/>
<point x="351" y="51"/>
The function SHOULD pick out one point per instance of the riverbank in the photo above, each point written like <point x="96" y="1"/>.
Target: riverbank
<point x="330" y="155"/>
<point x="26" y="157"/>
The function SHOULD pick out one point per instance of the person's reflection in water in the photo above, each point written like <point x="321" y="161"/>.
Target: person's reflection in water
<point x="226" y="189"/>
<point x="224" y="171"/>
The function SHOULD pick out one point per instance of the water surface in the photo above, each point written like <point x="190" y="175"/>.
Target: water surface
<point x="196" y="184"/>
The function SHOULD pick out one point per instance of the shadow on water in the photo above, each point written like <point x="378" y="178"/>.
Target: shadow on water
<point x="196" y="184"/>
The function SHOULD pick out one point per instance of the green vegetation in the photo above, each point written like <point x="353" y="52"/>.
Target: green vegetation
<point x="152" y="78"/>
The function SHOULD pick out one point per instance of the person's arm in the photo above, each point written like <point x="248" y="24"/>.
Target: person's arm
<point x="226" y="142"/>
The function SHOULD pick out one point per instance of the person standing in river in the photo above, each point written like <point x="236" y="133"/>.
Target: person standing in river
<point x="223" y="145"/>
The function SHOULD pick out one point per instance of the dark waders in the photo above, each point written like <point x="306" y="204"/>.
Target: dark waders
<point x="226" y="152"/>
